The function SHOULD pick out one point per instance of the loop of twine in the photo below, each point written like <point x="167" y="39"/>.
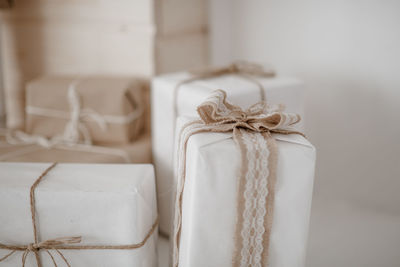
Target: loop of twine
<point x="61" y="243"/>
<point x="245" y="69"/>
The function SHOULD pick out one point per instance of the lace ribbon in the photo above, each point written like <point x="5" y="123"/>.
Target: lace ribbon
<point x="252" y="130"/>
<point x="62" y="243"/>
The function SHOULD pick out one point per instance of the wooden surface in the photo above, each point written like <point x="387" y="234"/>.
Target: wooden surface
<point x="89" y="37"/>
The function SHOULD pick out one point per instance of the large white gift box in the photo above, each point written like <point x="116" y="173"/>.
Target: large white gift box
<point x="209" y="203"/>
<point x="242" y="92"/>
<point x="105" y="204"/>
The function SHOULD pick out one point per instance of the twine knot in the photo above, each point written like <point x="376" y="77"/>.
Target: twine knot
<point x="32" y="247"/>
<point x="232" y="68"/>
<point x="239" y="115"/>
<point x="249" y="68"/>
<point x="238" y="67"/>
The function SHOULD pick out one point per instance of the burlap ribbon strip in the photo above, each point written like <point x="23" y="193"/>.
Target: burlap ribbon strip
<point x="63" y="243"/>
<point x="252" y="129"/>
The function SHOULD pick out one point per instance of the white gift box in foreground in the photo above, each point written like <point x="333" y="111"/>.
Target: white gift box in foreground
<point x="242" y="92"/>
<point x="105" y="204"/>
<point x="209" y="204"/>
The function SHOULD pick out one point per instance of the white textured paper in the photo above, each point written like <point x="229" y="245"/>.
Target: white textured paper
<point x="210" y="201"/>
<point x="107" y="204"/>
<point x="241" y="92"/>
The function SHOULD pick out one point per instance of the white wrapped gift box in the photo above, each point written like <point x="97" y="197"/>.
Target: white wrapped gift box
<point x="242" y="92"/>
<point x="209" y="205"/>
<point x="107" y="204"/>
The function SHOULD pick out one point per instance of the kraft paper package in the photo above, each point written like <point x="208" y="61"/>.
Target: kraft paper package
<point x="110" y="109"/>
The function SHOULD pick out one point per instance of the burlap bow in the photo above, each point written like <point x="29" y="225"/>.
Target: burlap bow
<point x="61" y="243"/>
<point x="223" y="116"/>
<point x="244" y="69"/>
<point x="250" y="128"/>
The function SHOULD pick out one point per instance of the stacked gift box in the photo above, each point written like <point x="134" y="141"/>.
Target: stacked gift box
<point x="83" y="119"/>
<point x="179" y="94"/>
<point x="199" y="198"/>
<point x="233" y="170"/>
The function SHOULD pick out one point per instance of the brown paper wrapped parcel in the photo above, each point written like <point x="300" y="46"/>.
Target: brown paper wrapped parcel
<point x="111" y="109"/>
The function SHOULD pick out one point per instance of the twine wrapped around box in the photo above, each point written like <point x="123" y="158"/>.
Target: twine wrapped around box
<point x="244" y="69"/>
<point x="252" y="130"/>
<point x="77" y="134"/>
<point x="167" y="98"/>
<point x="92" y="110"/>
<point x="63" y="243"/>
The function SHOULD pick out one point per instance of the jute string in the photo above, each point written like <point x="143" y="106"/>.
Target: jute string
<point x="247" y="70"/>
<point x="62" y="243"/>
<point x="218" y="115"/>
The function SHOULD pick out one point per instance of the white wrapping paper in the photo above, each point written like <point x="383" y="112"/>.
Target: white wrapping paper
<point x="279" y="90"/>
<point x="209" y="207"/>
<point x="105" y="204"/>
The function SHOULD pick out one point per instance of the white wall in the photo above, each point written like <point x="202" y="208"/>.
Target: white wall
<point x="2" y="108"/>
<point x="348" y="53"/>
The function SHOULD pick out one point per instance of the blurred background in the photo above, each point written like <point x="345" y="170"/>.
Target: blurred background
<point x="346" y="51"/>
<point x="348" y="54"/>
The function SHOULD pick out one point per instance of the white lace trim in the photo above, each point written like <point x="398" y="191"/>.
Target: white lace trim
<point x="254" y="194"/>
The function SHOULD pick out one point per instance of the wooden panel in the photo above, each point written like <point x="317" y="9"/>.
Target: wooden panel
<point x="124" y="37"/>
<point x="87" y="49"/>
<point x="73" y="37"/>
<point x="138" y="12"/>
<point x="183" y="52"/>
<point x="181" y="16"/>
<point x="85" y="36"/>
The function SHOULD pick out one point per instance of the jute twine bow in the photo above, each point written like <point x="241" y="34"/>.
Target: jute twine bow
<point x="252" y="129"/>
<point x="62" y="243"/>
<point x="244" y="69"/>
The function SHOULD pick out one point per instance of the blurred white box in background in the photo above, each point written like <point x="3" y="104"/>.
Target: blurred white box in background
<point x="242" y="92"/>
